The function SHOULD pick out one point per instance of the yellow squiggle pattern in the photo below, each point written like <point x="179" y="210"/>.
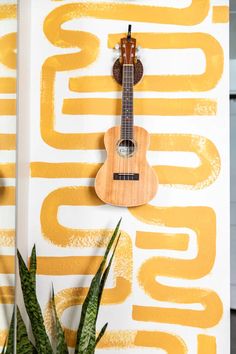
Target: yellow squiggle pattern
<point x="202" y="221"/>
<point x="7" y="142"/>
<point x="189" y="177"/>
<point x="88" y="46"/>
<point x="8" y="11"/>
<point x="220" y="14"/>
<point x="7" y="295"/>
<point x="142" y="106"/>
<point x="188" y="16"/>
<point x="7" y="236"/>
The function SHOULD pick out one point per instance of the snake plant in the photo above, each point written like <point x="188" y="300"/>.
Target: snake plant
<point x="86" y="340"/>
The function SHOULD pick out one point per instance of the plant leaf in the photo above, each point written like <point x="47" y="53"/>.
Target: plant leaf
<point x="4" y="348"/>
<point x="9" y="349"/>
<point x="33" y="309"/>
<point x="101" y="288"/>
<point x="61" y="341"/>
<point x="24" y="345"/>
<point x="101" y="334"/>
<point x="86" y="334"/>
<point x="113" y="237"/>
<point x="33" y="266"/>
<point x="105" y="274"/>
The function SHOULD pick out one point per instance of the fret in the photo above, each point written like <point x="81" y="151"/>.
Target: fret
<point x="127" y="102"/>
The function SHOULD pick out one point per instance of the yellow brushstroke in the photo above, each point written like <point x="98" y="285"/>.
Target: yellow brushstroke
<point x="211" y="48"/>
<point x="142" y="106"/>
<point x="202" y="221"/>
<point x="170" y="343"/>
<point x="64" y="169"/>
<point x="7" y="264"/>
<point x="220" y="14"/>
<point x="207" y="344"/>
<point x="7" y="237"/>
<point x="7" y="295"/>
<point x="7" y="107"/>
<point x="8" y="50"/>
<point x="158" y="240"/>
<point x="122" y="271"/>
<point x="8" y="11"/>
<point x="191" y="177"/>
<point x="7" y="141"/>
<point x="3" y="336"/>
<point x="125" y="339"/>
<point x="193" y="14"/>
<point x="53" y="230"/>
<point x="89" y="45"/>
<point x="213" y="52"/>
<point x="7" y="85"/>
<point x="7" y="195"/>
<point x="7" y="170"/>
<point x="73" y="265"/>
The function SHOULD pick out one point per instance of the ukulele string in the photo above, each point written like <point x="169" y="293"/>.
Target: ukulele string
<point x="128" y="116"/>
<point x="130" y="126"/>
<point x="129" y="113"/>
<point x="126" y="159"/>
<point x="125" y="99"/>
<point x="123" y="120"/>
<point x="129" y="121"/>
<point x="125" y="113"/>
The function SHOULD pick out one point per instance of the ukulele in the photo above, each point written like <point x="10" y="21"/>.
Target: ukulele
<point x="126" y="179"/>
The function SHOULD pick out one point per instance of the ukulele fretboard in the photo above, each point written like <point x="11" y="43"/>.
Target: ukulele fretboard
<point x="127" y="102"/>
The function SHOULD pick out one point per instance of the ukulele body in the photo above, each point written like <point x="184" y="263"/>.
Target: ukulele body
<point x="126" y="180"/>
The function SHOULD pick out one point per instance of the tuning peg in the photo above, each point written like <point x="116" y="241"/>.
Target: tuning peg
<point x="138" y="48"/>
<point x="117" y="46"/>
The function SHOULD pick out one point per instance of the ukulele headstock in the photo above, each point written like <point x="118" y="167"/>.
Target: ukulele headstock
<point x="128" y="54"/>
<point x="128" y="49"/>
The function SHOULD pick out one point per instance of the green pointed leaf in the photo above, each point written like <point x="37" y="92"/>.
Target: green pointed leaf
<point x="113" y="237"/>
<point x="61" y="341"/>
<point x="86" y="334"/>
<point x="10" y="340"/>
<point x="87" y="331"/>
<point x="101" y="334"/>
<point x="101" y="288"/>
<point x="33" y="309"/>
<point x="91" y="346"/>
<point x="105" y="274"/>
<point x="4" y="348"/>
<point x="33" y="266"/>
<point x="24" y="345"/>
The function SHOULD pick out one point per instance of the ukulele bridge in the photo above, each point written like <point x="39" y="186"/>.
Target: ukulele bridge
<point x="126" y="176"/>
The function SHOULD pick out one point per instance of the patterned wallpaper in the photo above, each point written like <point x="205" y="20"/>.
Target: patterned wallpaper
<point x="8" y="28"/>
<point x="169" y="286"/>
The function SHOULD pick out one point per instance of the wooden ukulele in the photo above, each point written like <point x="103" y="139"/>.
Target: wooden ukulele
<point x="126" y="179"/>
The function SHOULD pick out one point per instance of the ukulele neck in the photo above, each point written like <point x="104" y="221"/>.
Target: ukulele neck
<point x="127" y="118"/>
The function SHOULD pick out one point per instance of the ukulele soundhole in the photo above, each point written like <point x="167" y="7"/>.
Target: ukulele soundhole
<point x="126" y="147"/>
